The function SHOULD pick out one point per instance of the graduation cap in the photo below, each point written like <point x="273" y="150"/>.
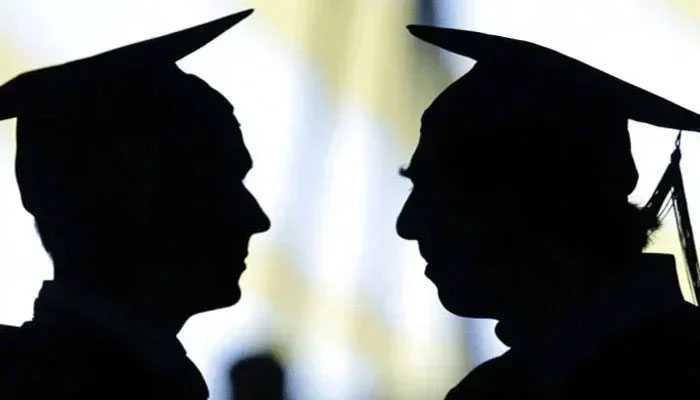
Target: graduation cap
<point x="52" y="91"/>
<point x="582" y="79"/>
<point x="585" y="87"/>
<point x="74" y="118"/>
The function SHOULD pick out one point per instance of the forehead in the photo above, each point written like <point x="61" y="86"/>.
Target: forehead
<point x="195" y="137"/>
<point x="242" y="160"/>
<point x="219" y="143"/>
<point x="489" y="152"/>
<point x="209" y="129"/>
<point x="443" y="110"/>
<point x="449" y="135"/>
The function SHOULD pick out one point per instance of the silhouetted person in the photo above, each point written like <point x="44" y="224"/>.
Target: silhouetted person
<point x="519" y="206"/>
<point x="133" y="171"/>
<point x="258" y="377"/>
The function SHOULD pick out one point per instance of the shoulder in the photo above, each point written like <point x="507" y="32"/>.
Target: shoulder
<point x="14" y="343"/>
<point x="45" y="364"/>
<point x="499" y="377"/>
<point x="673" y="335"/>
<point x="37" y="364"/>
<point x="656" y="356"/>
<point x="7" y="333"/>
<point x="16" y="358"/>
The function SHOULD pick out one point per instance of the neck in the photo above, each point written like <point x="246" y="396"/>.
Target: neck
<point x="543" y="302"/>
<point x="129" y="305"/>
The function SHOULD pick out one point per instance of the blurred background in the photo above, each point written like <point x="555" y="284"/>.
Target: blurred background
<point x="332" y="294"/>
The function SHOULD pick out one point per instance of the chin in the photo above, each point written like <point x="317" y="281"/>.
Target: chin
<point x="230" y="297"/>
<point x="221" y="298"/>
<point x="222" y="288"/>
<point x="463" y="304"/>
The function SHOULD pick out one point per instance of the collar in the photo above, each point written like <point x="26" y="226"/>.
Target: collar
<point x="64" y="310"/>
<point x="650" y="291"/>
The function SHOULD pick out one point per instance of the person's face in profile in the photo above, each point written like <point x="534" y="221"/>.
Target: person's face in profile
<point x="207" y="215"/>
<point x="507" y="189"/>
<point x="466" y="222"/>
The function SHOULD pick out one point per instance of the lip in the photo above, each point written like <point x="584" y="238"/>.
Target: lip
<point x="240" y="268"/>
<point x="423" y="253"/>
<point x="429" y="272"/>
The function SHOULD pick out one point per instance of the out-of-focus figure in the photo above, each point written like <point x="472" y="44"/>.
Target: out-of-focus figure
<point x="258" y="377"/>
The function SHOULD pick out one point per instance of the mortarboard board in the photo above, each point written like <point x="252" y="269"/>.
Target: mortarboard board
<point x="583" y="80"/>
<point x="50" y="91"/>
<point x="586" y="88"/>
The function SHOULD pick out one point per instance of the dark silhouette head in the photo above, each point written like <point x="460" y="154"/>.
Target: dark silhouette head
<point x="133" y="170"/>
<point x="521" y="177"/>
<point x="258" y="377"/>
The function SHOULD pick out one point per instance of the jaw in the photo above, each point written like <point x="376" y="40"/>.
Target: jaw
<point x="474" y="289"/>
<point x="465" y="305"/>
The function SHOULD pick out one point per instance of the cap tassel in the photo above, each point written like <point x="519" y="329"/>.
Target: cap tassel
<point x="672" y="182"/>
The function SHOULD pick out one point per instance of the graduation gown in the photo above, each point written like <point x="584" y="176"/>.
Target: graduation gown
<point x="638" y="339"/>
<point x="77" y="348"/>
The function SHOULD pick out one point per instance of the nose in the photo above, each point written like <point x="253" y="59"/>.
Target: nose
<point x="258" y="220"/>
<point x="406" y="225"/>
